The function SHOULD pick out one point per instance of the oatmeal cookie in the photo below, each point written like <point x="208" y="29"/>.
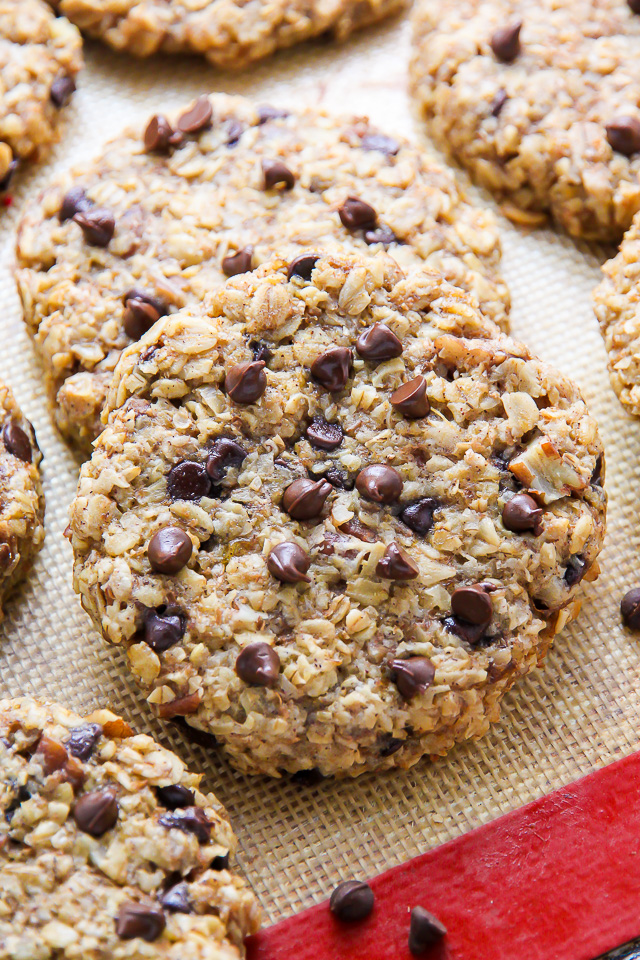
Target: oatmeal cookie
<point x="332" y="518"/>
<point x="21" y="496"/>
<point x="109" y="849"/>
<point x="168" y="211"/>
<point x="40" y="55"/>
<point x="539" y="101"/>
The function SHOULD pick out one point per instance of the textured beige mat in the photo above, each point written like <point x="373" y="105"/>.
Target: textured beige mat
<point x="576" y="714"/>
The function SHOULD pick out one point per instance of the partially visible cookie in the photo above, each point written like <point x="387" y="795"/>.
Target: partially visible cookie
<point x="40" y="55"/>
<point x="540" y="102"/>
<point x="21" y="496"/>
<point x="109" y="848"/>
<point x="333" y="519"/>
<point x="166" y="213"/>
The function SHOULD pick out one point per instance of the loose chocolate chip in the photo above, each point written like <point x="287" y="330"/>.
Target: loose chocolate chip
<point x="169" y="550"/>
<point x="258" y="665"/>
<point x="177" y="900"/>
<point x="418" y="516"/>
<point x="472" y="604"/>
<point x="74" y="201"/>
<point x="261" y="350"/>
<point x="331" y="369"/>
<point x="96" y="812"/>
<point x="157" y="135"/>
<point x="378" y="141"/>
<point x="411" y="399"/>
<point x="575" y="571"/>
<point x="139" y="316"/>
<point x="197" y="117"/>
<point x="277" y="174"/>
<point x="5" y="182"/>
<point x="17" y="442"/>
<point x="379" y="483"/>
<point x="188" y="480"/>
<point x="630" y="608"/>
<point x="97" y="224"/>
<point x="412" y="676"/>
<point x="224" y="453"/>
<point x="62" y="89"/>
<point x="355" y="213"/>
<point x="396" y="565"/>
<point x="424" y="931"/>
<point x="82" y="740"/>
<point x="378" y="343"/>
<point x="304" y="499"/>
<point x="266" y="112"/>
<point x="246" y="382"/>
<point x="289" y="563"/>
<point x="623" y="134"/>
<point x="521" y="513"/>
<point x="190" y="820"/>
<point x="323" y="435"/>
<point x="139" y="920"/>
<point x="175" y="796"/>
<point x="634" y="5"/>
<point x="240" y="262"/>
<point x="163" y="628"/>
<point x="303" y="266"/>
<point x="352" y="900"/>
<point x="382" y="234"/>
<point x="498" y="102"/>
<point x="505" y="42"/>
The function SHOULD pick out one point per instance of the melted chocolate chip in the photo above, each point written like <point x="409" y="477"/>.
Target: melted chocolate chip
<point x="505" y="42"/>
<point x="378" y="343"/>
<point x="354" y="528"/>
<point x="521" y="513"/>
<point x="382" y="234"/>
<point x="338" y="479"/>
<point x="163" y="628"/>
<point x="158" y="134"/>
<point x="266" y="112"/>
<point x="356" y="214"/>
<point x="331" y="369"/>
<point x="412" y="676"/>
<point x="396" y="565"/>
<point x="17" y="442"/>
<point x="139" y="920"/>
<point x="323" y="435"/>
<point x="96" y="812"/>
<point x="225" y="453"/>
<point x="378" y="141"/>
<point x="190" y="820"/>
<point x="424" y="931"/>
<point x="258" y="665"/>
<point x="289" y="563"/>
<point x="175" y="796"/>
<point x="277" y="174"/>
<point x="379" y="483"/>
<point x="188" y="480"/>
<point x="472" y="604"/>
<point x="260" y="350"/>
<point x="97" y="224"/>
<point x="197" y="117"/>
<point x="74" y="201"/>
<point x="623" y="134"/>
<point x="469" y="632"/>
<point x="303" y="266"/>
<point x="411" y="399"/>
<point x="82" y="740"/>
<point x="304" y="499"/>
<point x="246" y="382"/>
<point x="169" y="550"/>
<point x="418" y="516"/>
<point x="352" y="900"/>
<point x="240" y="262"/>
<point x="498" y="103"/>
<point x="630" y="608"/>
<point x="177" y="900"/>
<point x="62" y="89"/>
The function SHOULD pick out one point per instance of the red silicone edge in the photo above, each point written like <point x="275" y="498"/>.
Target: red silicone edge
<point x="558" y="879"/>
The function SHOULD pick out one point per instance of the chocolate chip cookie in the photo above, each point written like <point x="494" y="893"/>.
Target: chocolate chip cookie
<point x="171" y="209"/>
<point x="40" y="55"/>
<point x="21" y="496"/>
<point x="332" y="519"/>
<point x="109" y="849"/>
<point x="539" y="101"/>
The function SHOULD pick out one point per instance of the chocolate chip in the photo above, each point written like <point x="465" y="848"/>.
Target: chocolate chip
<point x="82" y="740"/>
<point x="240" y="262"/>
<point x="575" y="571"/>
<point x="623" y="134"/>
<point x="424" y="931"/>
<point x="521" y="513"/>
<point x="139" y="316"/>
<point x="175" y="796"/>
<point x="355" y="213"/>
<point x="225" y="453"/>
<point x="289" y="563"/>
<point x="411" y="399"/>
<point x="472" y="604"/>
<point x="190" y="820"/>
<point x="157" y="135"/>
<point x="97" y="224"/>
<point x="96" y="812"/>
<point x="630" y="608"/>
<point x="418" y="516"/>
<point x="139" y="920"/>
<point x="177" y="900"/>
<point x="220" y="863"/>
<point x="163" y="628"/>
<point x="498" y="102"/>
<point x="246" y="382"/>
<point x="382" y="234"/>
<point x="303" y="266"/>
<point x="17" y="442"/>
<point x="389" y="745"/>
<point x="266" y="112"/>
<point x="379" y="483"/>
<point x="304" y="499"/>
<point x="188" y="480"/>
<point x="197" y="117"/>
<point x="258" y="665"/>
<point x="352" y="900"/>
<point x="354" y="528"/>
<point x="634" y="5"/>
<point x="378" y="343"/>
<point x="138" y="293"/>
<point x="169" y="550"/>
<point x="338" y="479"/>
<point x="74" y="201"/>
<point x="396" y="565"/>
<point x="412" y="676"/>
<point x="323" y="435"/>
<point x="5" y="182"/>
<point x="62" y="89"/>
<point x="378" y="141"/>
<point x="277" y="174"/>
<point x="331" y="369"/>
<point x="469" y="632"/>
<point x="181" y="706"/>
<point x="505" y="42"/>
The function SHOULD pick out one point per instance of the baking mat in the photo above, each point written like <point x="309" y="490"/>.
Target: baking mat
<point x="576" y="714"/>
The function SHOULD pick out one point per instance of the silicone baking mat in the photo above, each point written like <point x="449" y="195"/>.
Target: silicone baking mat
<point x="576" y="714"/>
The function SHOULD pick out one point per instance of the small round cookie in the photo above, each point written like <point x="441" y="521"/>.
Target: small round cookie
<point x="167" y="212"/>
<point x="332" y="522"/>
<point x="40" y="55"/>
<point x="109" y="847"/>
<point x="21" y="496"/>
<point x="229" y="33"/>
<point x="539" y="101"/>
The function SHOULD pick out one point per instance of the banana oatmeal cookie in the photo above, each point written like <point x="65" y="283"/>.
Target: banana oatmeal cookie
<point x="40" y="55"/>
<point x="21" y="496"/>
<point x="109" y="849"/>
<point x="540" y="102"/>
<point x="333" y="520"/>
<point x="168" y="211"/>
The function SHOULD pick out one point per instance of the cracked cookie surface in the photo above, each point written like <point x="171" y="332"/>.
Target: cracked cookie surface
<point x="333" y="517"/>
<point x="539" y="102"/>
<point x="108" y="846"/>
<point x="167" y="223"/>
